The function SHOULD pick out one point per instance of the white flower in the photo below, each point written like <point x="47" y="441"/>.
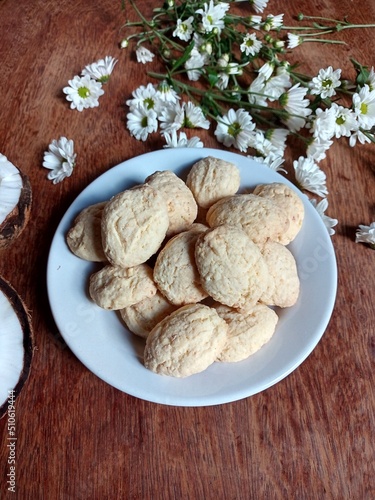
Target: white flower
<point x="145" y="96"/>
<point x="345" y="121"/>
<point x="364" y="107"/>
<point x="273" y="162"/>
<point x="213" y="16"/>
<point x="256" y="90"/>
<point x="266" y="70"/>
<point x="124" y="43"/>
<point x="361" y="137"/>
<point x="277" y="85"/>
<point x="250" y="44"/>
<point x="223" y="81"/>
<point x="60" y="159"/>
<point x="366" y="234"/>
<point x="309" y="176"/>
<point x="294" y="41"/>
<point x="194" y="117"/>
<point x="100" y="70"/>
<point x="83" y="92"/>
<point x="184" y="29"/>
<point x="166" y="93"/>
<point x="326" y="82"/>
<point x="144" y="55"/>
<point x="323" y="123"/>
<point x="259" y="5"/>
<point x="234" y="68"/>
<point x="223" y="60"/>
<point x="296" y="106"/>
<point x="370" y="81"/>
<point x="172" y="117"/>
<point x="194" y="65"/>
<point x="172" y="141"/>
<point x="235" y="129"/>
<point x="278" y="137"/>
<point x="316" y="150"/>
<point x="321" y="207"/>
<point x="255" y="21"/>
<point x="261" y="144"/>
<point x="141" y="122"/>
<point x="202" y="47"/>
<point x="273" y="22"/>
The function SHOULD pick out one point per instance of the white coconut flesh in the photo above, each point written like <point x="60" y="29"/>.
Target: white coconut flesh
<point x="15" y="344"/>
<point x="15" y="201"/>
<point x="10" y="187"/>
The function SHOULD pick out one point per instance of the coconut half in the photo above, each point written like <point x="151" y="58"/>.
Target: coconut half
<point x="15" y="201"/>
<point x="16" y="344"/>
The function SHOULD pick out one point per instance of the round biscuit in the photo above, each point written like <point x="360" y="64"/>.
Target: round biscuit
<point x="115" y="287"/>
<point x="248" y="331"/>
<point x="289" y="201"/>
<point x="182" y="207"/>
<point x="141" y="317"/>
<point x="134" y="225"/>
<point x="175" y="271"/>
<point x="260" y="218"/>
<point x="84" y="238"/>
<point x="231" y="266"/>
<point x="283" y="284"/>
<point x="211" y="179"/>
<point x="185" y="342"/>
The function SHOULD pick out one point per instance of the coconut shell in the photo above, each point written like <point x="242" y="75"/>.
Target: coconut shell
<point x="17" y="219"/>
<point x="28" y="342"/>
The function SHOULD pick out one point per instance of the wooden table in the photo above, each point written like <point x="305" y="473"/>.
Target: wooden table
<point x="311" y="436"/>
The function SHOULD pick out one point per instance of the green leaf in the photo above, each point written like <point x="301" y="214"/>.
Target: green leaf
<point x="362" y="73"/>
<point x="212" y="77"/>
<point x="185" y="56"/>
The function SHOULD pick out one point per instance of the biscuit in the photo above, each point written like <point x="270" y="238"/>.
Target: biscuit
<point x="175" y="272"/>
<point x="283" y="284"/>
<point x="289" y="201"/>
<point x="231" y="266"/>
<point x="141" y="317"/>
<point x="211" y="179"/>
<point x="84" y="237"/>
<point x="259" y="217"/>
<point x="134" y="224"/>
<point x="248" y="331"/>
<point x="182" y="207"/>
<point x="185" y="342"/>
<point x="115" y="287"/>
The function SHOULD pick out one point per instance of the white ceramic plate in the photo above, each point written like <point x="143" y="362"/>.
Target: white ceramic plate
<point x="102" y="343"/>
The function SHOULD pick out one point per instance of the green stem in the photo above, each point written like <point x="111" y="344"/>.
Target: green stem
<point x="323" y="40"/>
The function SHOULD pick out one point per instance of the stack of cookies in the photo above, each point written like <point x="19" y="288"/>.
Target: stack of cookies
<point x="195" y="268"/>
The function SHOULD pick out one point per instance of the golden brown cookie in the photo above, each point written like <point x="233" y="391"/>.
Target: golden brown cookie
<point x="248" y="331"/>
<point x="185" y="342"/>
<point x="175" y="271"/>
<point x="115" y="287"/>
<point x="85" y="237"/>
<point x="289" y="201"/>
<point x="141" y="317"/>
<point x="182" y="207"/>
<point x="231" y="266"/>
<point x="259" y="217"/>
<point x="211" y="179"/>
<point x="283" y="284"/>
<point x="134" y="224"/>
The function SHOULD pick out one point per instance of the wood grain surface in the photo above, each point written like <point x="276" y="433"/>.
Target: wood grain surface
<point x="311" y="436"/>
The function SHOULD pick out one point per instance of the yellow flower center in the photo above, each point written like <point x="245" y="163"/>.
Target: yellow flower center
<point x="234" y="129"/>
<point x="83" y="92"/>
